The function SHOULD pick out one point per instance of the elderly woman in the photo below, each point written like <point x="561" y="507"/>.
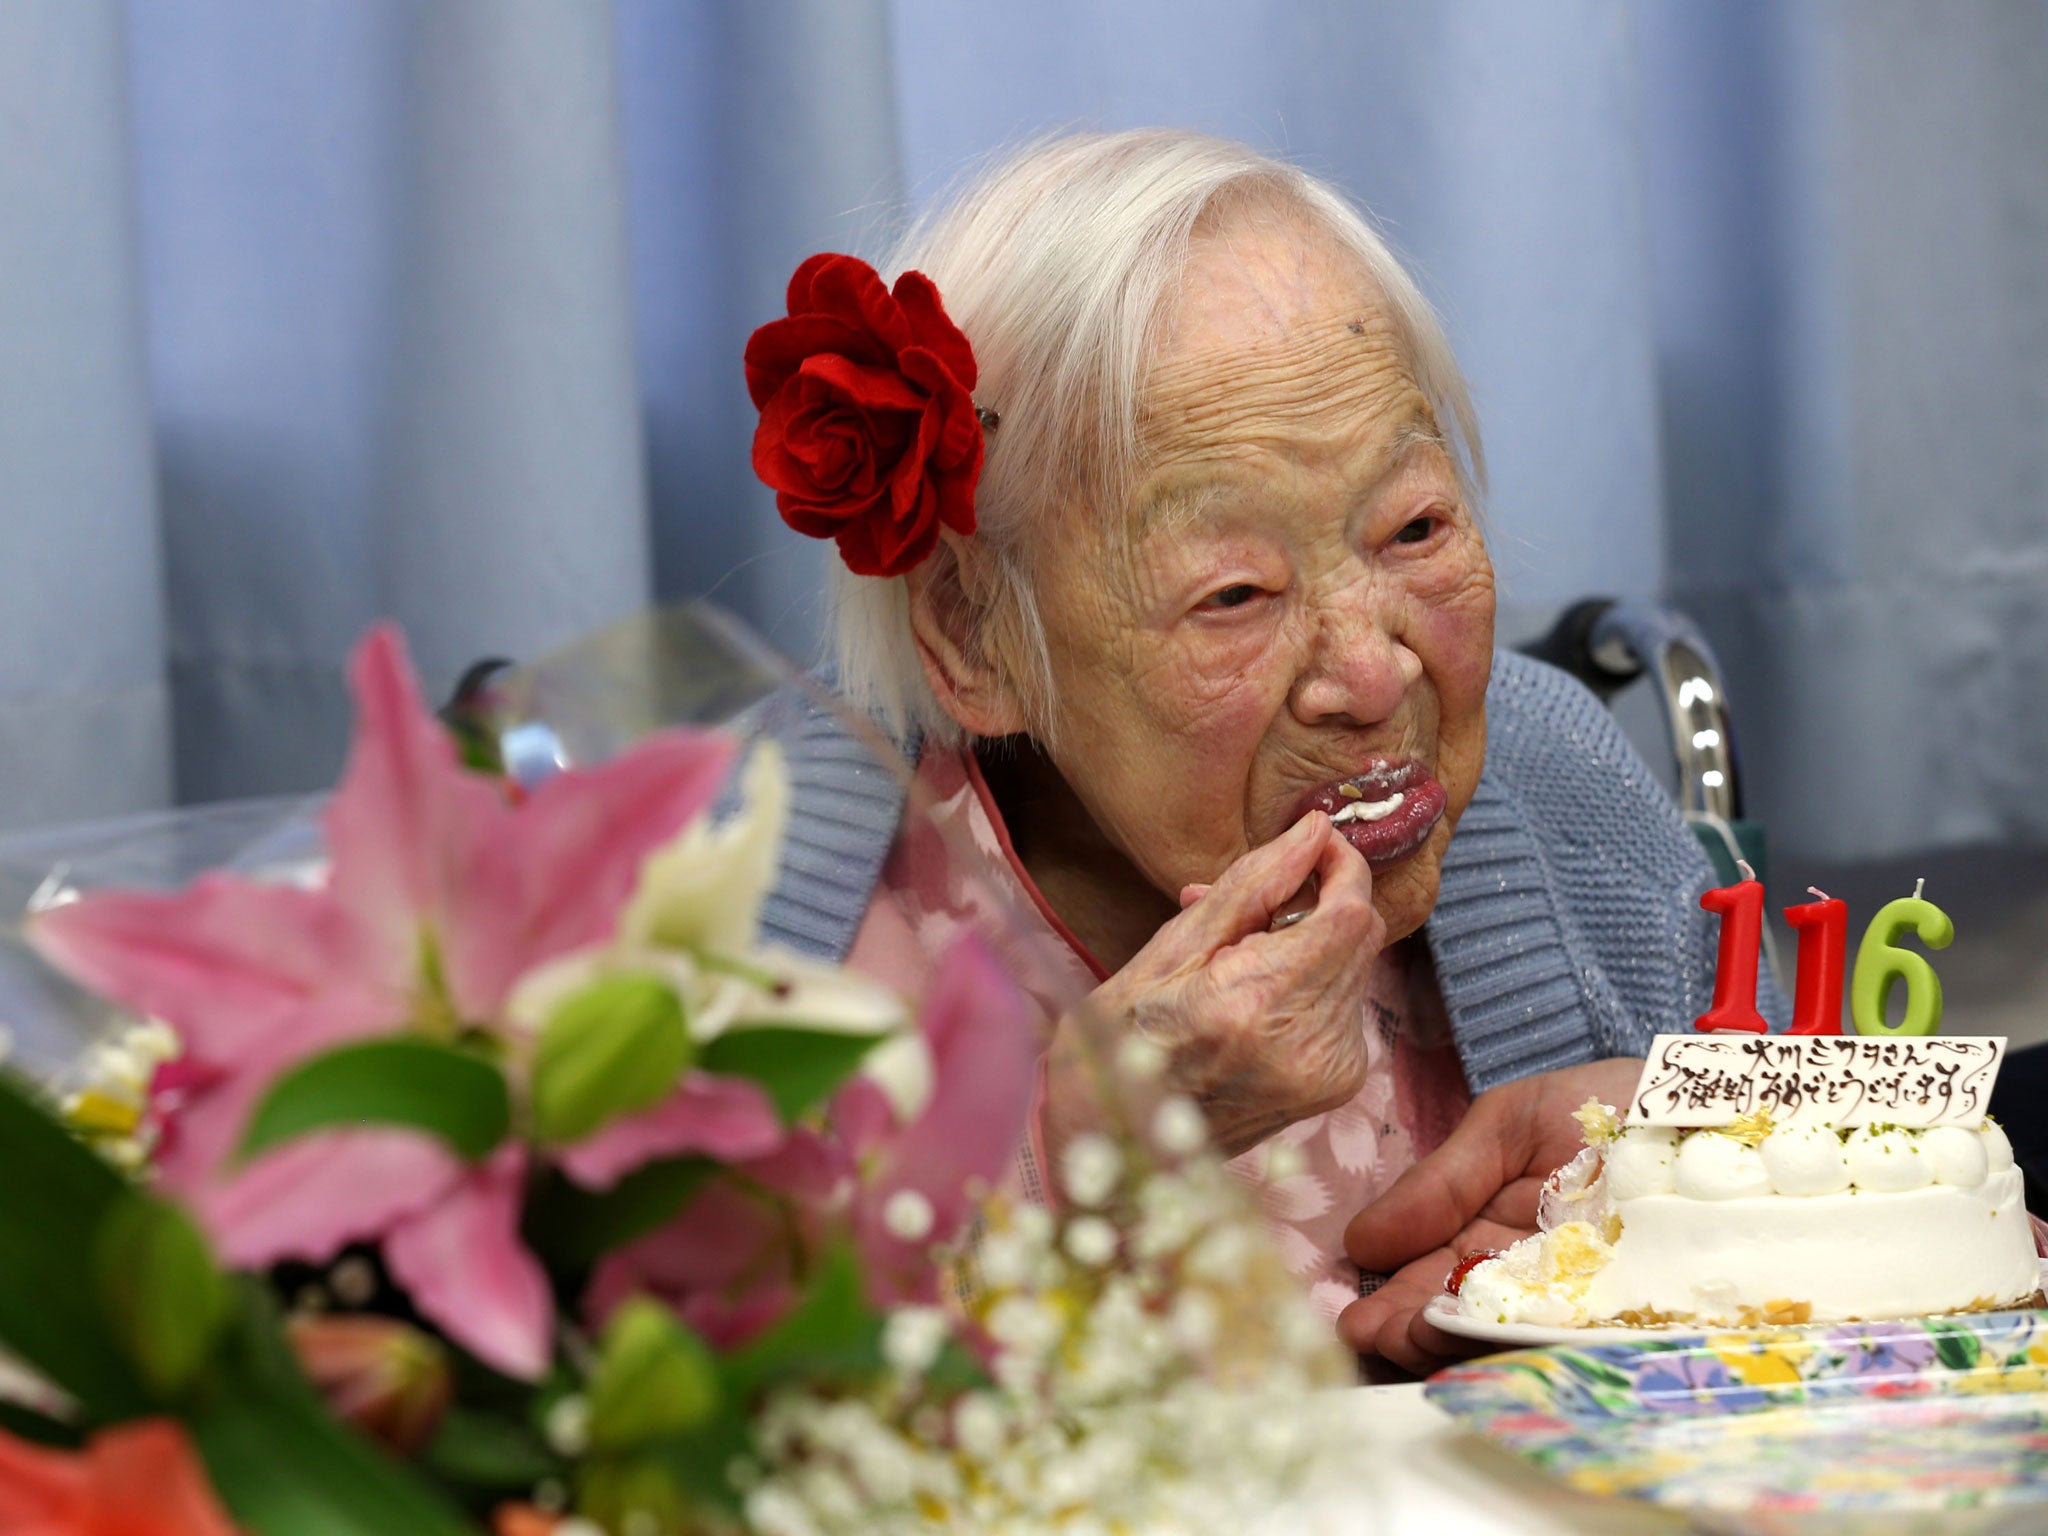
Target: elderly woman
<point x="1156" y="496"/>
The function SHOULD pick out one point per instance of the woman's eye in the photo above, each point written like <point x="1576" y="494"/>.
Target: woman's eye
<point x="1231" y="597"/>
<point x="1416" y="531"/>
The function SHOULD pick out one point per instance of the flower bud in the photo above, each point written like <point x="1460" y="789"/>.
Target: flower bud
<point x="383" y="1376"/>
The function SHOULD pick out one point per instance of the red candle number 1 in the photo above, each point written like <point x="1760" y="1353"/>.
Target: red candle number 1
<point x="1823" y="927"/>
<point x="1741" y="907"/>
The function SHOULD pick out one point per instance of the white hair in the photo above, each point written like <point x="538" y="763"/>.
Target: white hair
<point x="1059" y="263"/>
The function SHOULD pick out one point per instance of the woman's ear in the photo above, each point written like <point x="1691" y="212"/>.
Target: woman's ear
<point x="952" y="618"/>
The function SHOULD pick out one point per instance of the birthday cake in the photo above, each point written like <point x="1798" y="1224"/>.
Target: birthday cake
<point x="1757" y="1223"/>
<point x="1761" y="1179"/>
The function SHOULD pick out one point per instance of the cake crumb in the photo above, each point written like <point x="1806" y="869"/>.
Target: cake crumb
<point x="1599" y="1123"/>
<point x="1783" y="1313"/>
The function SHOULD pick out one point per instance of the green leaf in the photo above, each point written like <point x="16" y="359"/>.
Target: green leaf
<point x="481" y="1450"/>
<point x="283" y="1465"/>
<point x="292" y="1469"/>
<point x="798" y="1068"/>
<point x="58" y="1192"/>
<point x="701" y="1462"/>
<point x="956" y="1371"/>
<point x="655" y="1379"/>
<point x="571" y="1227"/>
<point x="830" y="1335"/>
<point x="256" y="1354"/>
<point x="612" y="1049"/>
<point x="160" y="1289"/>
<point x="637" y="1492"/>
<point x="400" y="1080"/>
<point x="37" y="1428"/>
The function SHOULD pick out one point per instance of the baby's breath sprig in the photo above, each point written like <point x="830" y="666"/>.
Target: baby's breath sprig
<point x="1145" y="1354"/>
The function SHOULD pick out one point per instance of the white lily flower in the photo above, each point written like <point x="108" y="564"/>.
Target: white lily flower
<point x="768" y="989"/>
<point x="542" y="991"/>
<point x="704" y="890"/>
<point x="901" y="1067"/>
<point x="802" y="993"/>
<point x="691" y="925"/>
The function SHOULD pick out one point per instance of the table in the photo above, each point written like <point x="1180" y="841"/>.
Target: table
<point x="1417" y="1473"/>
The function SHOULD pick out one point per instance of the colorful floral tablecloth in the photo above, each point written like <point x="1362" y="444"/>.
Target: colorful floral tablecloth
<point x="1934" y="1424"/>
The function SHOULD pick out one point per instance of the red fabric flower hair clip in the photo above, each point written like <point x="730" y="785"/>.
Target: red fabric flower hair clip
<point x="869" y="434"/>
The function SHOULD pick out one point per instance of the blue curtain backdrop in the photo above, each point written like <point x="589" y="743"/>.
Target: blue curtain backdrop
<point x="319" y="311"/>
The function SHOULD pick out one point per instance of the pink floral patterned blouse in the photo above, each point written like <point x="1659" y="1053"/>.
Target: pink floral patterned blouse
<point x="954" y="868"/>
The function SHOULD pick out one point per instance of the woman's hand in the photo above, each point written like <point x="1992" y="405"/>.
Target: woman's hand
<point x="1261" y="1026"/>
<point x="1476" y="1191"/>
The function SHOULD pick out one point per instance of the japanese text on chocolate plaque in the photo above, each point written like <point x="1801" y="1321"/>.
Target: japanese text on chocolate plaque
<point x="1818" y="1079"/>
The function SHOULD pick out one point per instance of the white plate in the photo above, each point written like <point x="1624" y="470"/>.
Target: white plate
<point x="1443" y="1313"/>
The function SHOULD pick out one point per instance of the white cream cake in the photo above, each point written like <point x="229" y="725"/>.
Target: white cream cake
<point x="1752" y="1224"/>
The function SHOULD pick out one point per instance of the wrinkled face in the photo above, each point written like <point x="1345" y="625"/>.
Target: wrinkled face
<point x="1302" y="613"/>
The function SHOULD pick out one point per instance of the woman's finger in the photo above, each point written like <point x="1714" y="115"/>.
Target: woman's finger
<point x="1402" y="1295"/>
<point x="1297" y="906"/>
<point x="1343" y="912"/>
<point x="1394" y="1342"/>
<point x="1343" y="868"/>
<point x="1440" y="1347"/>
<point x="1246" y="895"/>
<point x="1444" y="1192"/>
<point x="1420" y="1347"/>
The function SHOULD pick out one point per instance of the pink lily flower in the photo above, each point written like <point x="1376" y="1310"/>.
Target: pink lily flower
<point x="441" y="893"/>
<point x="897" y="1183"/>
<point x="728" y="1118"/>
<point x="919" y="1174"/>
<point x="732" y="1261"/>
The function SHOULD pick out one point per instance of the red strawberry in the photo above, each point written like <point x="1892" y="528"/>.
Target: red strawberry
<point x="1464" y="1267"/>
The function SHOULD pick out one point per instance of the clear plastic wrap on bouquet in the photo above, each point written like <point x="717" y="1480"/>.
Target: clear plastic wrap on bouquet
<point x="582" y="705"/>
<point x="50" y="1023"/>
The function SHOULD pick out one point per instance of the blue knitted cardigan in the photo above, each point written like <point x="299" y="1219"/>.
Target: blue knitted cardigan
<point x="1568" y="925"/>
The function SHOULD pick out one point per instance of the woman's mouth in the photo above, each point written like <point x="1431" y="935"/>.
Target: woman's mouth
<point x="1386" y="812"/>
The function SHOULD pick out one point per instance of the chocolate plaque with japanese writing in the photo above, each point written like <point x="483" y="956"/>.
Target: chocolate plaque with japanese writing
<point x="1692" y="1080"/>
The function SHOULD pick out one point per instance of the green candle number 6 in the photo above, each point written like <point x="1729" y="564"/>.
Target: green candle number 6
<point x="1880" y="962"/>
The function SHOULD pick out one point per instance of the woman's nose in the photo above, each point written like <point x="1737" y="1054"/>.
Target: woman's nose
<point x="1359" y="668"/>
